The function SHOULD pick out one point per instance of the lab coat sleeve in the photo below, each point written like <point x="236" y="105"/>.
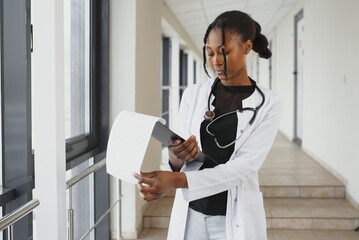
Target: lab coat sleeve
<point x="248" y="159"/>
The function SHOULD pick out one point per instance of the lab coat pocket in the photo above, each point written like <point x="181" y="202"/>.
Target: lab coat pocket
<point x="253" y="215"/>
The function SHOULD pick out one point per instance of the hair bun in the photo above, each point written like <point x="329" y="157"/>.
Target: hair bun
<point x="260" y="46"/>
<point x="265" y="54"/>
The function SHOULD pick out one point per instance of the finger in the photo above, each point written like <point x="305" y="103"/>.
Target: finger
<point x="147" y="177"/>
<point x="148" y="174"/>
<point x="186" y="147"/>
<point x="191" y="151"/>
<point x="198" y="153"/>
<point x="137" y="176"/>
<point x="148" y="181"/>
<point x="174" y="142"/>
<point x="139" y="187"/>
<point x="150" y="197"/>
<point x="145" y="190"/>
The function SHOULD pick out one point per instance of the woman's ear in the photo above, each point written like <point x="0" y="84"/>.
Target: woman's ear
<point x="248" y="46"/>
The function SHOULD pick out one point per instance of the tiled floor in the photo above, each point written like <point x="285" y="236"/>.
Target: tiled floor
<point x="303" y="201"/>
<point x="161" y="234"/>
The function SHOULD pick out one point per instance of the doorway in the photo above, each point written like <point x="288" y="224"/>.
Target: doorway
<point x="298" y="76"/>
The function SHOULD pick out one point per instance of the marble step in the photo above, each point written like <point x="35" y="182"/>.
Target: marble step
<point x="337" y="191"/>
<point x="157" y="213"/>
<point x="299" y="182"/>
<point x="300" y="214"/>
<point x="161" y="234"/>
<point x="311" y="214"/>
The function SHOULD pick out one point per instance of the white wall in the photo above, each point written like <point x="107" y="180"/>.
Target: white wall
<point x="135" y="53"/>
<point x="330" y="112"/>
<point x="283" y="68"/>
<point x="48" y="105"/>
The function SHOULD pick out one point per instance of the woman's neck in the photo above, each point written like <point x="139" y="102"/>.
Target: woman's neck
<point x="242" y="80"/>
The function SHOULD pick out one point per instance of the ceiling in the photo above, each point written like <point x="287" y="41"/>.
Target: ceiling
<point x="196" y="15"/>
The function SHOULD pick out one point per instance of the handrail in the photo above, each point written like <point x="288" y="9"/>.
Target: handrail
<point x="85" y="173"/>
<point x="69" y="184"/>
<point x="101" y="218"/>
<point x="11" y="218"/>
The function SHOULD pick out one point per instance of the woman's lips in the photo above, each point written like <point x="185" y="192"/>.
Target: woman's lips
<point x="219" y="72"/>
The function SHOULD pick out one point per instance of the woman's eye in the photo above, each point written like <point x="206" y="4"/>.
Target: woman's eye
<point x="210" y="54"/>
<point x="226" y="53"/>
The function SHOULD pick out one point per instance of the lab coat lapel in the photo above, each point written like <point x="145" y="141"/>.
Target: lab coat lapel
<point x="201" y="101"/>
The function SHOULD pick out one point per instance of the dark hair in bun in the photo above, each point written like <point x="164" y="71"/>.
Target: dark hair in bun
<point x="242" y="24"/>
<point x="260" y="43"/>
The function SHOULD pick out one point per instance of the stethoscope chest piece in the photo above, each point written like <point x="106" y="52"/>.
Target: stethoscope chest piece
<point x="209" y="115"/>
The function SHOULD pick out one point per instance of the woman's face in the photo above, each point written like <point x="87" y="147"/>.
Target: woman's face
<point x="235" y="50"/>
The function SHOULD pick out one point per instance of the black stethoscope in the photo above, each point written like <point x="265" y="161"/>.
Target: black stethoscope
<point x="210" y="115"/>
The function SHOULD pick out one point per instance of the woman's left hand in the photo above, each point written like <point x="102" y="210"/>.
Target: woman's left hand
<point x="155" y="185"/>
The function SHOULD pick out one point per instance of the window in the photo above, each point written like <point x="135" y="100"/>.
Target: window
<point x="16" y="144"/>
<point x="87" y="111"/>
<point x="77" y="69"/>
<point x="183" y="72"/>
<point x="166" y="78"/>
<point x="194" y="71"/>
<point x="86" y="69"/>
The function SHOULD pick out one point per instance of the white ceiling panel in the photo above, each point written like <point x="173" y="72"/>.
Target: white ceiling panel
<point x="195" y="15"/>
<point x="188" y="7"/>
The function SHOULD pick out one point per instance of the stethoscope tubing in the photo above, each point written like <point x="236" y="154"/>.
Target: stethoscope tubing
<point x="213" y="119"/>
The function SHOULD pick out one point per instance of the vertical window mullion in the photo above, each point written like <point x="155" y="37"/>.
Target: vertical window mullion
<point x="17" y="161"/>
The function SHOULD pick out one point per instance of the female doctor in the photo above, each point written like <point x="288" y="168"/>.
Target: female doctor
<point x="233" y="121"/>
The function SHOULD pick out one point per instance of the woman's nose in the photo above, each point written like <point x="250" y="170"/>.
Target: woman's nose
<point x="217" y="60"/>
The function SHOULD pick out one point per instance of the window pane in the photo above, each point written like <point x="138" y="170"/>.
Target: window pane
<point x="82" y="200"/>
<point x="183" y="68"/>
<point x="77" y="65"/>
<point x="166" y="77"/>
<point x="166" y="61"/>
<point x="194" y="72"/>
<point x="165" y="104"/>
<point x="0" y="105"/>
<point x="183" y="72"/>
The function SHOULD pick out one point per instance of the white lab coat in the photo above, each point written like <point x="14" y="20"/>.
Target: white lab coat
<point x="245" y="217"/>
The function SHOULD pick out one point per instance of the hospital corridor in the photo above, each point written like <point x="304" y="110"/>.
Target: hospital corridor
<point x="70" y="67"/>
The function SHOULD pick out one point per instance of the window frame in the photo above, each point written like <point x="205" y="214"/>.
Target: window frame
<point x="166" y="78"/>
<point x="17" y="155"/>
<point x="183" y="72"/>
<point x="85" y="146"/>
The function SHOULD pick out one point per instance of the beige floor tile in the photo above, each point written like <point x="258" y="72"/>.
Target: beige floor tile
<point x="335" y="212"/>
<point x="291" y="223"/>
<point x="159" y="222"/>
<point x="287" y="192"/>
<point x="333" y="224"/>
<point x="161" y="234"/>
<point x="340" y="192"/>
<point x="317" y="192"/>
<point x="336" y="235"/>
<point x="270" y="235"/>
<point x="153" y="234"/>
<point x="289" y="212"/>
<point x="279" y="180"/>
<point x="161" y="207"/>
<point x="293" y="235"/>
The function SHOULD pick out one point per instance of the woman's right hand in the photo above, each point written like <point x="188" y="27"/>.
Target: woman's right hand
<point x="183" y="151"/>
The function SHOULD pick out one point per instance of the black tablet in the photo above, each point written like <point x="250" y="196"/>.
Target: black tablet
<point x="164" y="135"/>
